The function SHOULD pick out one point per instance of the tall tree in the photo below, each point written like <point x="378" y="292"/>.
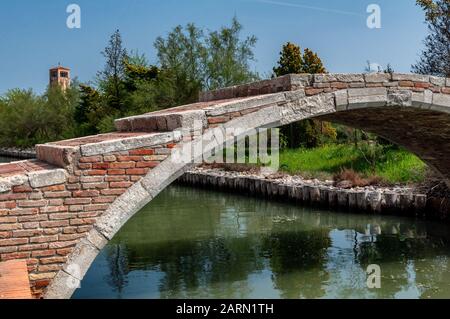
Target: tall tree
<point x="307" y="133"/>
<point x="291" y="60"/>
<point x="201" y="60"/>
<point x="312" y="63"/>
<point x="111" y="78"/>
<point x="435" y="58"/>
<point x="88" y="112"/>
<point x="229" y="57"/>
<point x="181" y="55"/>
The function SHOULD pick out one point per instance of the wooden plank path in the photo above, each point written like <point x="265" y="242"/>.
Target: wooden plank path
<point x="14" y="282"/>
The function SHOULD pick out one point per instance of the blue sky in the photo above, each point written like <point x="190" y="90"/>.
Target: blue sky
<point x="34" y="35"/>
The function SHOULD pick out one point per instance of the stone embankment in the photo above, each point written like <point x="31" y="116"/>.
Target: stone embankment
<point x="397" y="200"/>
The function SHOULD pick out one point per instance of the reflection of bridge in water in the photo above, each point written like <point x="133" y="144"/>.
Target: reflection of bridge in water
<point x="62" y="209"/>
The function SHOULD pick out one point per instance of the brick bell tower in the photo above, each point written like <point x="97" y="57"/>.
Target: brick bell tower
<point x="60" y="76"/>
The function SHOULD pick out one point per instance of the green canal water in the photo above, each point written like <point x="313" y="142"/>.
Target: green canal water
<point x="4" y="159"/>
<point x="191" y="243"/>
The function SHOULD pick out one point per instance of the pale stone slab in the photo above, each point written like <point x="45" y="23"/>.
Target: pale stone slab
<point x="127" y="144"/>
<point x="248" y="103"/>
<point x="367" y="101"/>
<point x="410" y="77"/>
<point x="422" y="99"/>
<point x="438" y="81"/>
<point x="307" y="107"/>
<point x="377" y="77"/>
<point x="399" y="98"/>
<point x="62" y="286"/>
<point x="341" y="100"/>
<point x="338" y="77"/>
<point x="362" y="92"/>
<point x="441" y="103"/>
<point x="47" y="178"/>
<point x="81" y="259"/>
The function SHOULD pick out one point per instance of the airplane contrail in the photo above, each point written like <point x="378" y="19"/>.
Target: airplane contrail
<point x="303" y="6"/>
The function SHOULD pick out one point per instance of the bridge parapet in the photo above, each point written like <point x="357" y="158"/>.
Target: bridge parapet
<point x="324" y="83"/>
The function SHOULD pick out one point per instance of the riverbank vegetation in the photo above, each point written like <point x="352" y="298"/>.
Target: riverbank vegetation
<point x="389" y="164"/>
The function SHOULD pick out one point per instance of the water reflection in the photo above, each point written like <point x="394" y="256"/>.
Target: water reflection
<point x="190" y="243"/>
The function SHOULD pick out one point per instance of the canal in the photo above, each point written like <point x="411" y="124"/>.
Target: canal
<point x="192" y="243"/>
<point x="4" y="159"/>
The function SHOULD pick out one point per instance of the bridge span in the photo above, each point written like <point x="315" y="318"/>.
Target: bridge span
<point x="59" y="211"/>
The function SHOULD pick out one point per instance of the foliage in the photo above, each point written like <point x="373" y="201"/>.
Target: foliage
<point x="307" y="133"/>
<point x="111" y="78"/>
<point x="435" y="58"/>
<point x="207" y="60"/>
<point x="312" y="63"/>
<point x="228" y="59"/>
<point x="291" y="60"/>
<point x="27" y="119"/>
<point x="88" y="111"/>
<point x="393" y="165"/>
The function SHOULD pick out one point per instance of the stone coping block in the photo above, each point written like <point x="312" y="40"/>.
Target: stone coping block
<point x="246" y="104"/>
<point x="160" y="122"/>
<point x="62" y="153"/>
<point x="36" y="179"/>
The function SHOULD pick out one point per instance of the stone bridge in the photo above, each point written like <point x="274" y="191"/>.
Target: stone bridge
<point x="59" y="211"/>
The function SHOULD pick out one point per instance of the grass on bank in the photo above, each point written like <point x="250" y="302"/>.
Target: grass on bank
<point x="392" y="165"/>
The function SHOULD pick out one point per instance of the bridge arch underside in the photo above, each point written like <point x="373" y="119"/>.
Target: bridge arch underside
<point x="424" y="130"/>
<point x="425" y="133"/>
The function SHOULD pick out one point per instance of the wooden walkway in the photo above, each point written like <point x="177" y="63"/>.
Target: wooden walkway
<point x="14" y="282"/>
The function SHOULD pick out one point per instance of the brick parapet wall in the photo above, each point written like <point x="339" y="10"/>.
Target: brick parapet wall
<point x="42" y="224"/>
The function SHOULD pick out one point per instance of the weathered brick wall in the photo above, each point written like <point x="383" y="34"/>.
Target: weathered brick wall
<point x="43" y="224"/>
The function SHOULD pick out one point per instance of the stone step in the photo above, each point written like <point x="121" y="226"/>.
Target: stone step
<point x="62" y="153"/>
<point x="170" y="119"/>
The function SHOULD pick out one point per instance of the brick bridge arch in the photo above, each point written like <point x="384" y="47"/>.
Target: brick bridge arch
<point x="59" y="211"/>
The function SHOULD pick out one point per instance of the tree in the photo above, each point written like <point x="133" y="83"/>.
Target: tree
<point x="307" y="133"/>
<point x="201" y="60"/>
<point x="435" y="58"/>
<point x="111" y="78"/>
<point x="228" y="57"/>
<point x="291" y="60"/>
<point x="27" y="119"/>
<point x="88" y="112"/>
<point x="312" y="63"/>
<point x="181" y="54"/>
